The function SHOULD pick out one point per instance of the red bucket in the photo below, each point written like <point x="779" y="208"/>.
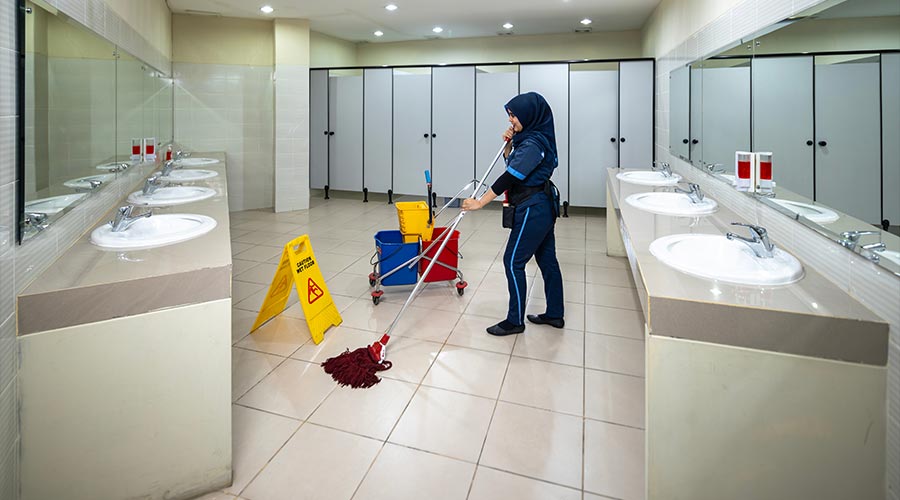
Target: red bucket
<point x="450" y="257"/>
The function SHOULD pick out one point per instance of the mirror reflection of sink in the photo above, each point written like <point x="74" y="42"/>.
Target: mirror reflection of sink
<point x="189" y="175"/>
<point x="154" y="231"/>
<point x="678" y="204"/>
<point x="648" y="178"/>
<point x="175" y="195"/>
<point x="814" y="213"/>
<point x="53" y="205"/>
<point x="716" y="257"/>
<point x="891" y="255"/>
<point x="196" y="162"/>
<point x="115" y="166"/>
<point x="85" y="182"/>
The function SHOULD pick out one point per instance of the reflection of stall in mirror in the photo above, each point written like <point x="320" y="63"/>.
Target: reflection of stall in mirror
<point x="822" y="93"/>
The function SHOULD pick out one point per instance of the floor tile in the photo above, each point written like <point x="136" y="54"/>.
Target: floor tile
<point x="316" y="464"/>
<point x="574" y="313"/>
<point x="551" y="344"/>
<point x="612" y="296"/>
<point x="446" y="423"/>
<point x="492" y="484"/>
<point x="241" y="290"/>
<point x="468" y="370"/>
<point x="442" y="296"/>
<point x="573" y="291"/>
<point x="248" y="368"/>
<point x="535" y="443"/>
<point x="281" y="336"/>
<point x="600" y="259"/>
<point x="613" y="321"/>
<point x="401" y="473"/>
<point x="351" y="285"/>
<point x="256" y="437"/>
<point x="545" y="385"/>
<point x="613" y="460"/>
<point x="336" y="341"/>
<point x="615" y="398"/>
<point x="411" y="358"/>
<point x="372" y="412"/>
<point x="238" y="266"/>
<point x="294" y="389"/>
<point x="241" y="321"/>
<point x="254" y="301"/>
<point x="238" y="247"/>
<point x="608" y="276"/>
<point x="262" y="274"/>
<point x="426" y="324"/>
<point x="571" y="272"/>
<point x="217" y="495"/>
<point x="364" y="315"/>
<point x="489" y="303"/>
<point x="470" y="332"/>
<point x="259" y="253"/>
<point x="614" y="354"/>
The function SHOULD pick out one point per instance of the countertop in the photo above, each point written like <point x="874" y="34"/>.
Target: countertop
<point x="88" y="284"/>
<point x="812" y="317"/>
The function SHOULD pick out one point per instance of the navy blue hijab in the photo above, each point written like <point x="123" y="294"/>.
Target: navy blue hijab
<point x="536" y="118"/>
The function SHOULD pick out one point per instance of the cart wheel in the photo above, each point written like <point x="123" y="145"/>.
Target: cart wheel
<point x="376" y="296"/>
<point x="375" y="300"/>
<point x="460" y="291"/>
<point x="461" y="287"/>
<point x="372" y="278"/>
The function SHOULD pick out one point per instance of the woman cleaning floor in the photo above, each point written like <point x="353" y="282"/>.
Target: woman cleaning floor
<point x="534" y="205"/>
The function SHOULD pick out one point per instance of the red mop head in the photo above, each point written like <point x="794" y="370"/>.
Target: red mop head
<point x="357" y="368"/>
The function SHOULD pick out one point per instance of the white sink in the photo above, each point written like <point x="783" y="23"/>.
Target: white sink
<point x="196" y="162"/>
<point x="114" y="166"/>
<point x="153" y="231"/>
<point x="814" y="213"/>
<point x="648" y="178"/>
<point x="52" y="205"/>
<point x="890" y="255"/>
<point x="678" y="204"/>
<point x="85" y="182"/>
<point x="175" y="195"/>
<point x="716" y="257"/>
<point x="189" y="175"/>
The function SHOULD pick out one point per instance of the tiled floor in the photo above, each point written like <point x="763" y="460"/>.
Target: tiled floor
<point x="548" y="414"/>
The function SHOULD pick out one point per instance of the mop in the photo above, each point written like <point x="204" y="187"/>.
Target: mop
<point x="358" y="368"/>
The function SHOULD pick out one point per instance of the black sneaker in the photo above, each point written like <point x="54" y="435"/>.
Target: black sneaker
<point x="540" y="319"/>
<point x="500" y="331"/>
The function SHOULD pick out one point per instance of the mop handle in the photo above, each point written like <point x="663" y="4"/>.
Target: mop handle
<point x="475" y="184"/>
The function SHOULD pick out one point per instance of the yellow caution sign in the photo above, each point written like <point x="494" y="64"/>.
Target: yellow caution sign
<point x="298" y="266"/>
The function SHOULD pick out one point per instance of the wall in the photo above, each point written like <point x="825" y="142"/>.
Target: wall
<point x="150" y="19"/>
<point x="681" y="31"/>
<point x="20" y="264"/>
<point x="519" y="48"/>
<point x="326" y="51"/>
<point x="223" y="69"/>
<point x="292" y="58"/>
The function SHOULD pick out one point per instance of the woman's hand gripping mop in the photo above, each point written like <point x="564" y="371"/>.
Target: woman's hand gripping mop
<point x="358" y="368"/>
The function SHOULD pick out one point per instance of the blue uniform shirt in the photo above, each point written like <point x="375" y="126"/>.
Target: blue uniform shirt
<point x="530" y="164"/>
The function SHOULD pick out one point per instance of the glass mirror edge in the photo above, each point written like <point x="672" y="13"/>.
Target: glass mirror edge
<point x="19" y="221"/>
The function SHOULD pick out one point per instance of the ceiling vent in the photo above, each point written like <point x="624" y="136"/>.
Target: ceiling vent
<point x="585" y="29"/>
<point x="202" y="12"/>
<point x="504" y="33"/>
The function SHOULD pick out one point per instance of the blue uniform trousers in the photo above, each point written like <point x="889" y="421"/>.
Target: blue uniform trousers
<point x="532" y="235"/>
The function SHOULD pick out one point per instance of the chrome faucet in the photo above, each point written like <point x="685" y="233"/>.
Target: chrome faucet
<point x="168" y="166"/>
<point x="181" y="154"/>
<point x="151" y="184"/>
<point x="664" y="167"/>
<point x="124" y="219"/>
<point x="758" y="241"/>
<point x="694" y="192"/>
<point x="120" y="167"/>
<point x="849" y="239"/>
<point x="93" y="184"/>
<point x="36" y="220"/>
<point x="715" y="168"/>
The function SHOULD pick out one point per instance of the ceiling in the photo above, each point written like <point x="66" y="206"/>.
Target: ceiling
<point x="862" y="8"/>
<point x="357" y="20"/>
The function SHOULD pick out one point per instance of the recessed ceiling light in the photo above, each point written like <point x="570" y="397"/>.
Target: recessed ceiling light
<point x="437" y="29"/>
<point x="379" y="33"/>
<point x="267" y="9"/>
<point x="508" y="26"/>
<point x="391" y="7"/>
<point x="586" y="21"/>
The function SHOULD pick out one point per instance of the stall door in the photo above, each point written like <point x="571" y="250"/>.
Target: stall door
<point x="345" y="107"/>
<point x="377" y="130"/>
<point x="890" y="132"/>
<point x="552" y="82"/>
<point x="635" y="114"/>
<point x="494" y="87"/>
<point x="593" y="139"/>
<point x="783" y="118"/>
<point x="412" y="129"/>
<point x="726" y="113"/>
<point x="848" y="135"/>
<point x="452" y="128"/>
<point x="318" y="128"/>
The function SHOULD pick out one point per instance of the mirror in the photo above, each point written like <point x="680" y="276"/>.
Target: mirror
<point x="85" y="100"/>
<point x="821" y="92"/>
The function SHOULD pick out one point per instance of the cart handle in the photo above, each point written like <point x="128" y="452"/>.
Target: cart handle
<point x="428" y="184"/>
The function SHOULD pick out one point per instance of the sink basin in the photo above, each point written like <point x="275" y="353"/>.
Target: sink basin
<point x="175" y="195"/>
<point x="671" y="204"/>
<point x="814" y="213"/>
<point x="52" y="205"/>
<point x="648" y="178"/>
<point x="114" y="166"/>
<point x="154" y="231"/>
<point x="189" y="175"/>
<point x="196" y="162"/>
<point x="85" y="182"/>
<point x="890" y="255"/>
<point x="716" y="257"/>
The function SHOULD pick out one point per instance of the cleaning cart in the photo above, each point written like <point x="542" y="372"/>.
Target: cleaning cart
<point x="403" y="257"/>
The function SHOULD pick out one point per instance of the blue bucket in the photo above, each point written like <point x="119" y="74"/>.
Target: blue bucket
<point x="392" y="252"/>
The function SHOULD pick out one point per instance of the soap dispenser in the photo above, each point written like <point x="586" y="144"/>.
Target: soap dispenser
<point x="744" y="171"/>
<point x="764" y="184"/>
